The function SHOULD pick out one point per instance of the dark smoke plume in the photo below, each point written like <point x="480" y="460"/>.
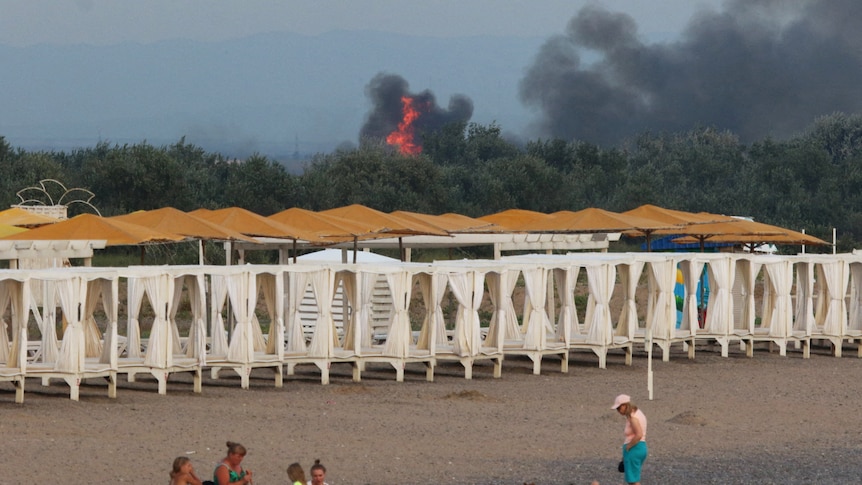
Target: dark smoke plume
<point x="758" y="68"/>
<point x="385" y="92"/>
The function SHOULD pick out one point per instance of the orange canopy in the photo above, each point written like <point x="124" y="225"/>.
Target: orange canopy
<point x="16" y="216"/>
<point x="324" y="225"/>
<point x="7" y="230"/>
<point x="251" y="224"/>
<point x="168" y="219"/>
<point x="514" y="219"/>
<point x="93" y="227"/>
<point x="673" y="217"/>
<point x="381" y="222"/>
<point x="592" y="220"/>
<point x="453" y="223"/>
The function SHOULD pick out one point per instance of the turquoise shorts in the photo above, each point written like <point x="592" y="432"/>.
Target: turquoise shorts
<point x="634" y="460"/>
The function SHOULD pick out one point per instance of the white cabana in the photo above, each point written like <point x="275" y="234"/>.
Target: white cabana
<point x="14" y="298"/>
<point x="67" y="289"/>
<point x="830" y="316"/>
<point x="777" y="316"/>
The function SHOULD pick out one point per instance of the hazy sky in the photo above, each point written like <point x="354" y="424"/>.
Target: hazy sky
<point x="100" y="22"/>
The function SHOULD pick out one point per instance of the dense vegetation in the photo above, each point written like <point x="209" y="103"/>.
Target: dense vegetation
<point x="812" y="181"/>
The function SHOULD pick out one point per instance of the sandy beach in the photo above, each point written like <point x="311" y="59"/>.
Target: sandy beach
<point x="767" y="419"/>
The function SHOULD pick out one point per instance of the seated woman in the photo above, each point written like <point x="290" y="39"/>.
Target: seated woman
<point x="229" y="469"/>
<point x="183" y="473"/>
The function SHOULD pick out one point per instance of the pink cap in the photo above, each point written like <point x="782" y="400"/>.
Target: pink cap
<point x="620" y="400"/>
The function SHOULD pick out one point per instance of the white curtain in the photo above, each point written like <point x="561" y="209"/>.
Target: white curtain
<point x="14" y="295"/>
<point x="468" y="338"/>
<point x="719" y="309"/>
<point x="664" y="278"/>
<point x="218" y="297"/>
<point x="92" y="334"/>
<point x="836" y="279"/>
<point x="504" y="322"/>
<point x="367" y="281"/>
<point x="629" y="276"/>
<point x="297" y="284"/>
<point x="804" y="312"/>
<point x="747" y="270"/>
<point x="780" y="281"/>
<point x="536" y="321"/>
<point x="432" y="287"/>
<point x="322" y="283"/>
<point x="854" y="321"/>
<point x="196" y="345"/>
<point x="601" y="280"/>
<point x="400" y="334"/>
<point x="5" y="299"/>
<point x="110" y="302"/>
<point x="352" y="333"/>
<point x="72" y="352"/>
<point x="567" y="323"/>
<point x="269" y="287"/>
<point x="691" y="273"/>
<point x="241" y="346"/>
<point x="159" y="352"/>
<point x="176" y="300"/>
<point x="136" y="291"/>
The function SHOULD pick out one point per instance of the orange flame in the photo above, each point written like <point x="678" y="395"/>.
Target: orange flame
<point x="403" y="136"/>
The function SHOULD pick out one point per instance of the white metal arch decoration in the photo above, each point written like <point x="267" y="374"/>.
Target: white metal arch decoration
<point x="44" y="195"/>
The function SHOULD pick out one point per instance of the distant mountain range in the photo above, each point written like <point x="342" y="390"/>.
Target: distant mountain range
<point x="278" y="94"/>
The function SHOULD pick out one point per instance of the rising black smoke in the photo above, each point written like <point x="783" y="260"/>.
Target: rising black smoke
<point x="758" y="68"/>
<point x="385" y="92"/>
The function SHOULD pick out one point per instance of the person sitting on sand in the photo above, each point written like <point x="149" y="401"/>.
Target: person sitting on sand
<point x="635" y="447"/>
<point x="296" y="474"/>
<point x="318" y="474"/>
<point x="183" y="473"/>
<point x="229" y="469"/>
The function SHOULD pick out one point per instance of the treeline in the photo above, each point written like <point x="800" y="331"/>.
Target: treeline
<point x="812" y="181"/>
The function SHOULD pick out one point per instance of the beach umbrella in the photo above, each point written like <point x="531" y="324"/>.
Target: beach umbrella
<point x="514" y="219"/>
<point x="168" y="219"/>
<point x="675" y="218"/>
<point x="739" y="228"/>
<point x="592" y="220"/>
<point x="384" y="224"/>
<point x="329" y="227"/>
<point x="16" y="216"/>
<point x="246" y="222"/>
<point x="752" y="241"/>
<point x="93" y="227"/>
<point x="452" y="223"/>
<point x="8" y="230"/>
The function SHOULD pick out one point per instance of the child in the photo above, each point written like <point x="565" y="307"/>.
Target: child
<point x="296" y="474"/>
<point x="183" y="473"/>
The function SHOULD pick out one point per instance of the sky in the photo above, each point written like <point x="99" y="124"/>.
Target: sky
<point x="106" y="22"/>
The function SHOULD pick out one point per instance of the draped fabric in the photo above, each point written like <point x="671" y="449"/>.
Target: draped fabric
<point x="601" y="280"/>
<point x="352" y="334"/>
<point x="136" y="291"/>
<point x="768" y="305"/>
<point x="821" y="308"/>
<point x="322" y="283"/>
<point x="266" y="284"/>
<point x="629" y="277"/>
<point x="836" y="279"/>
<point x="804" y="312"/>
<point x="719" y="309"/>
<point x="691" y="273"/>
<point x="72" y="354"/>
<point x="567" y="323"/>
<point x="92" y="334"/>
<point x="400" y="334"/>
<point x="5" y="301"/>
<point x="241" y="346"/>
<point x="663" y="275"/>
<point x="196" y="345"/>
<point x="854" y="321"/>
<point x="48" y="327"/>
<point x="110" y="303"/>
<point x="159" y="289"/>
<point x="432" y="287"/>
<point x="219" y="331"/>
<point x="536" y="321"/>
<point x="467" y="340"/>
<point x="176" y="300"/>
<point x="297" y="284"/>
<point x="258" y="343"/>
<point x="746" y="269"/>
<point x="14" y="295"/>
<point x="780" y="281"/>
<point x="367" y="281"/>
<point x="504" y="322"/>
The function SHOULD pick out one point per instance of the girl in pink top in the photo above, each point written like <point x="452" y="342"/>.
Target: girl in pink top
<point x="635" y="447"/>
